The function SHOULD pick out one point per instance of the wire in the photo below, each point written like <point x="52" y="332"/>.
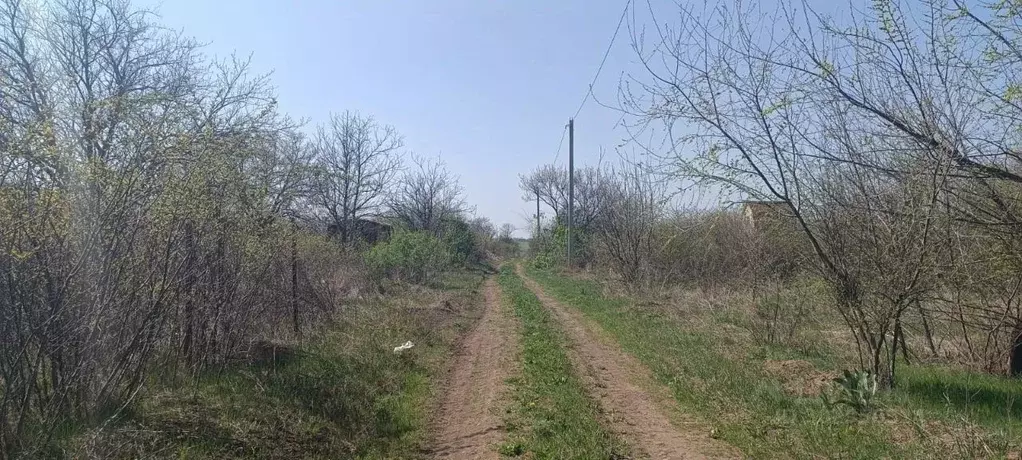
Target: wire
<point x="560" y="143"/>
<point x="604" y="61"/>
<point x="599" y="69"/>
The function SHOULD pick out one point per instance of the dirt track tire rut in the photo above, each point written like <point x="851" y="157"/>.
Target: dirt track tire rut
<point x="469" y="425"/>
<point x="638" y="409"/>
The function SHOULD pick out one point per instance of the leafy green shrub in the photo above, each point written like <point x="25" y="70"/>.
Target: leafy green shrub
<point x="853" y="389"/>
<point x="543" y="260"/>
<point x="554" y="246"/>
<point x="461" y="242"/>
<point x="413" y="256"/>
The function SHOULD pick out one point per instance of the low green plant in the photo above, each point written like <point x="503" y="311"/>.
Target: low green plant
<point x="856" y="389"/>
<point x="511" y="449"/>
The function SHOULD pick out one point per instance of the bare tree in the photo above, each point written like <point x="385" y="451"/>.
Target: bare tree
<point x="427" y="197"/>
<point x="357" y="160"/>
<point x="634" y="206"/>
<point x="550" y="184"/>
<point x="865" y="123"/>
<point x="483" y="227"/>
<point x="507" y="231"/>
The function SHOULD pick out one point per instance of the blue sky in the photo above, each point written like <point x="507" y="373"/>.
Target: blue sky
<point x="487" y="85"/>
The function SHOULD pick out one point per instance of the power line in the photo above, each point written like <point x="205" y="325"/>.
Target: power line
<point x="617" y="29"/>
<point x="560" y="143"/>
<point x="599" y="69"/>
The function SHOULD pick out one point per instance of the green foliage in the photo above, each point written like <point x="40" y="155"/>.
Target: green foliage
<point x="1012" y="92"/>
<point x="991" y="400"/>
<point x="854" y="389"/>
<point x="544" y="260"/>
<point x="554" y="247"/>
<point x="782" y="104"/>
<point x="559" y="419"/>
<point x="511" y="449"/>
<point x="461" y="242"/>
<point x="414" y="256"/>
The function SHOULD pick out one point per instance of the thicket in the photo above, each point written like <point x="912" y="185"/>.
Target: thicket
<point x="886" y="139"/>
<point x="414" y="256"/>
<point x="159" y="215"/>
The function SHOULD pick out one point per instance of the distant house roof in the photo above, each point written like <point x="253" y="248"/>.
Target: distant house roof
<point x="375" y="220"/>
<point x="761" y="212"/>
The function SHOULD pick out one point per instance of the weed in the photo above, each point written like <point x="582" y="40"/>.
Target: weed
<point x="511" y="449"/>
<point x="556" y="417"/>
<point x="854" y="389"/>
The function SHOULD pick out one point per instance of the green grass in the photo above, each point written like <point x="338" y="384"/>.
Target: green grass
<point x="552" y="416"/>
<point x="343" y="395"/>
<point x="752" y="411"/>
<point x="990" y="402"/>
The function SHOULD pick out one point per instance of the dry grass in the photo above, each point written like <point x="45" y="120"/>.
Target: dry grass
<point x="343" y="393"/>
<point x="799" y="377"/>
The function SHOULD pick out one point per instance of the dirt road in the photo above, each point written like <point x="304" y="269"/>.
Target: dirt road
<point x="469" y="424"/>
<point x="639" y="410"/>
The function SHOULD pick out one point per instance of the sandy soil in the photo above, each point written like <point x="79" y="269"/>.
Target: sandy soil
<point x="469" y="424"/>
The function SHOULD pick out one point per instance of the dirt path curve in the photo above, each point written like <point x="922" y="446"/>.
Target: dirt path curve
<point x="638" y="409"/>
<point x="469" y="424"/>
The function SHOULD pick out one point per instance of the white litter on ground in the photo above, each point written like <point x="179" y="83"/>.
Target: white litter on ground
<point x="403" y="347"/>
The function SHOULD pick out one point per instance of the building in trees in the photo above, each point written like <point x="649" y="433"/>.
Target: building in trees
<point x="764" y="214"/>
<point x="368" y="230"/>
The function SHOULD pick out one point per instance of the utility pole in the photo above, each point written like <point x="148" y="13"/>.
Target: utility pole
<point x="571" y="182"/>
<point x="539" y="226"/>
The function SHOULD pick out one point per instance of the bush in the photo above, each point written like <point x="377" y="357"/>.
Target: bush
<point x="554" y="245"/>
<point x="414" y="256"/>
<point x="461" y="242"/>
<point x="787" y="313"/>
<point x="722" y="248"/>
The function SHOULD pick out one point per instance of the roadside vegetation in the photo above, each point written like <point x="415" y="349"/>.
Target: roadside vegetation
<point x="552" y="416"/>
<point x="163" y="224"/>
<point x="343" y="394"/>
<point x="855" y="286"/>
<point x="766" y="398"/>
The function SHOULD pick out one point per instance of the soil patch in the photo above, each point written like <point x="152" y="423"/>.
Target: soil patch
<point x="469" y="424"/>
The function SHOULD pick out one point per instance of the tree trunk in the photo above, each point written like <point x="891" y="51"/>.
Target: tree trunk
<point x="294" y="280"/>
<point x="1015" y="365"/>
<point x="926" y="330"/>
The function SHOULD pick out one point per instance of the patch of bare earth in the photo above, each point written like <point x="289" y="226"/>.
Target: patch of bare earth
<point x="638" y="409"/>
<point x="799" y="377"/>
<point x="469" y="424"/>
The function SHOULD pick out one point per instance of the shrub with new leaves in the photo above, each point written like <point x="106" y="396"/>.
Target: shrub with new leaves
<point x="414" y="256"/>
